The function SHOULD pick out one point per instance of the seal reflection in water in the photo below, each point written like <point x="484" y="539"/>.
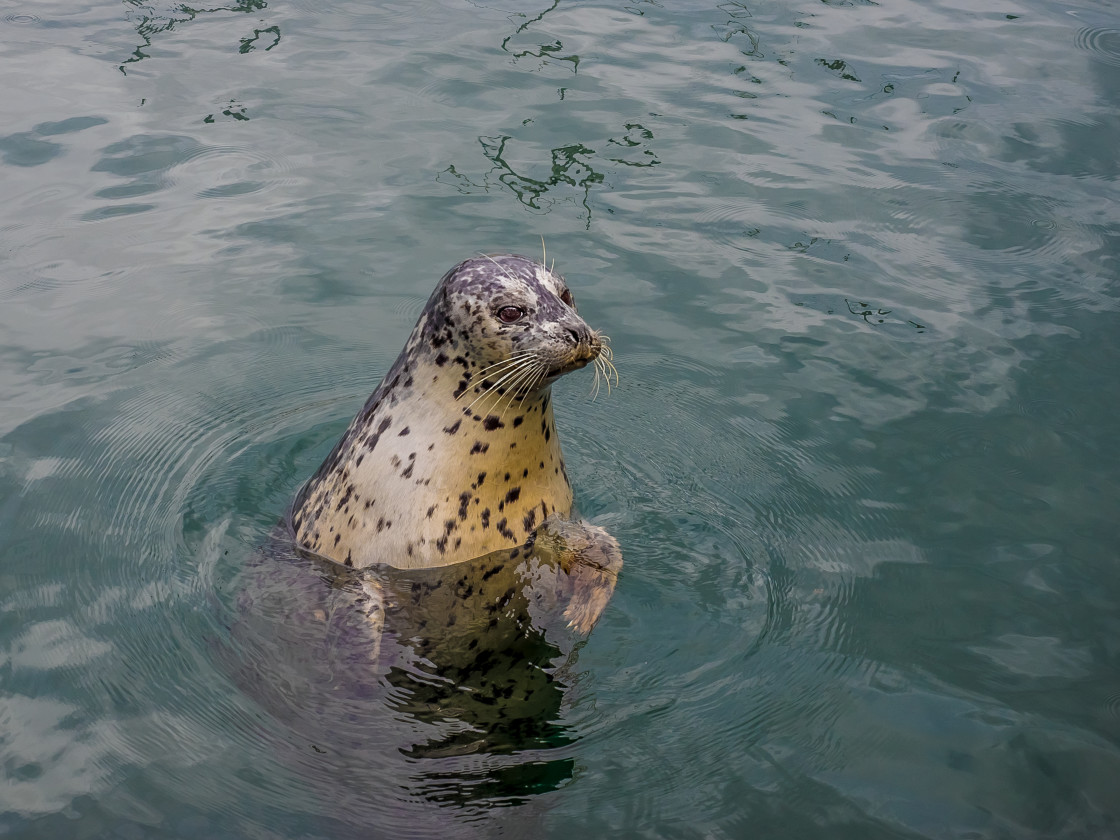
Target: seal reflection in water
<point x="441" y="518"/>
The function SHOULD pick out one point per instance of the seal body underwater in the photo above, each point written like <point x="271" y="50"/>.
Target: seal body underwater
<point x="455" y="456"/>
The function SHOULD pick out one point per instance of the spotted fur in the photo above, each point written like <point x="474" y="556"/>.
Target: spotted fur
<point x="441" y="466"/>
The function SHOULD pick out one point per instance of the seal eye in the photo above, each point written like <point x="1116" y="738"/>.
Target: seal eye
<point x="509" y="314"/>
<point x="566" y="296"/>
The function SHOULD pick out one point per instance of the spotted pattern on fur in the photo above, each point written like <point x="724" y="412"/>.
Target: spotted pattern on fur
<point x="433" y="470"/>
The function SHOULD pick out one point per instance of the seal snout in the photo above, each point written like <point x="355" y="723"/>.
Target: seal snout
<point x="584" y="347"/>
<point x="576" y="332"/>
<point x="584" y="341"/>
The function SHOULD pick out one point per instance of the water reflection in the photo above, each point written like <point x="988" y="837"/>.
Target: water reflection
<point x="575" y="165"/>
<point x="151" y="21"/>
<point x="422" y="687"/>
<point x="546" y="52"/>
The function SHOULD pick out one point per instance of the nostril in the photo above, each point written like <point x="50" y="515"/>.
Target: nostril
<point x="574" y="335"/>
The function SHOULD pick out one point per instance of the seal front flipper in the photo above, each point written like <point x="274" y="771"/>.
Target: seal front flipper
<point x="564" y="575"/>
<point x="355" y="614"/>
<point x="587" y="561"/>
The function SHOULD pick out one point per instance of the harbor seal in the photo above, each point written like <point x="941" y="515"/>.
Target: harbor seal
<point x="455" y="457"/>
<point x="426" y="581"/>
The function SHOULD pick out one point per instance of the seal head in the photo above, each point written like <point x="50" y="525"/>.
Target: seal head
<point x="455" y="454"/>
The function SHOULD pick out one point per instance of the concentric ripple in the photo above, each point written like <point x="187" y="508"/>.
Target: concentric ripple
<point x="132" y="500"/>
<point x="231" y="171"/>
<point x="1101" y="42"/>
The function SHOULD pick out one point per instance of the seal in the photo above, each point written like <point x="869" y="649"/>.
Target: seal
<point x="437" y="567"/>
<point x="455" y="454"/>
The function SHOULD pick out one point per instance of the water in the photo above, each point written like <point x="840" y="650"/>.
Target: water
<point x="859" y="263"/>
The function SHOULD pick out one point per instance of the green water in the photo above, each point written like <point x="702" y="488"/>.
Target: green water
<point x="859" y="263"/>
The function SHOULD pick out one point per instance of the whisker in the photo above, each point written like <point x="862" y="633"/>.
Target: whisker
<point x="525" y="376"/>
<point x="500" y="378"/>
<point x="609" y="369"/>
<point x="497" y="375"/>
<point x="498" y="369"/>
<point x="493" y="370"/>
<point x="522" y="364"/>
<point x="538" y="377"/>
<point x="520" y="354"/>
<point x="505" y="378"/>
<point x="523" y="382"/>
<point x="605" y="367"/>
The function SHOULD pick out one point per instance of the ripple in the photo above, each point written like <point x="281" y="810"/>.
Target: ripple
<point x="55" y="645"/>
<point x="21" y="18"/>
<point x="125" y="630"/>
<point x="735" y="224"/>
<point x="1050" y="411"/>
<point x="1057" y="239"/>
<point x="1102" y="43"/>
<point x="1112" y="706"/>
<point x="397" y="16"/>
<point x="408" y="306"/>
<point x="150" y="164"/>
<point x="118" y="481"/>
<point x="157" y="435"/>
<point x="232" y="171"/>
<point x="181" y="446"/>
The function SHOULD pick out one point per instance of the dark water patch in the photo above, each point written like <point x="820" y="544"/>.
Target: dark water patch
<point x="117" y="210"/>
<point x="153" y="164"/>
<point x="24" y="149"/>
<point x="143" y="155"/>
<point x="27" y="148"/>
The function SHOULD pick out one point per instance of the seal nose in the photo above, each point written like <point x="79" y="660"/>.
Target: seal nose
<point x="578" y="333"/>
<point x="584" y="342"/>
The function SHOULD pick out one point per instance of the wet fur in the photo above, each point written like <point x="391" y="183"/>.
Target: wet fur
<point x="455" y="455"/>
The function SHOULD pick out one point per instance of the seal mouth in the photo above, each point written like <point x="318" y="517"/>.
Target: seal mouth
<point x="567" y="367"/>
<point x="582" y="356"/>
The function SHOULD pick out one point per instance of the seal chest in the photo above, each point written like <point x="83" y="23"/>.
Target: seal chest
<point x="455" y="454"/>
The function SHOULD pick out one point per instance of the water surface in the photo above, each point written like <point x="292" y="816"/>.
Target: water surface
<point x="859" y="264"/>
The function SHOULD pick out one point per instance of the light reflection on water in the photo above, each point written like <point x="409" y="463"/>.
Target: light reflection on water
<point x="859" y="266"/>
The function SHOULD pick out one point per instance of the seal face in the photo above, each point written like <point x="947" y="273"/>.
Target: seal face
<point x="455" y="454"/>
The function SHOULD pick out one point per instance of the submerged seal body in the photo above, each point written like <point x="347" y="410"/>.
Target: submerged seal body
<point x="455" y="454"/>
